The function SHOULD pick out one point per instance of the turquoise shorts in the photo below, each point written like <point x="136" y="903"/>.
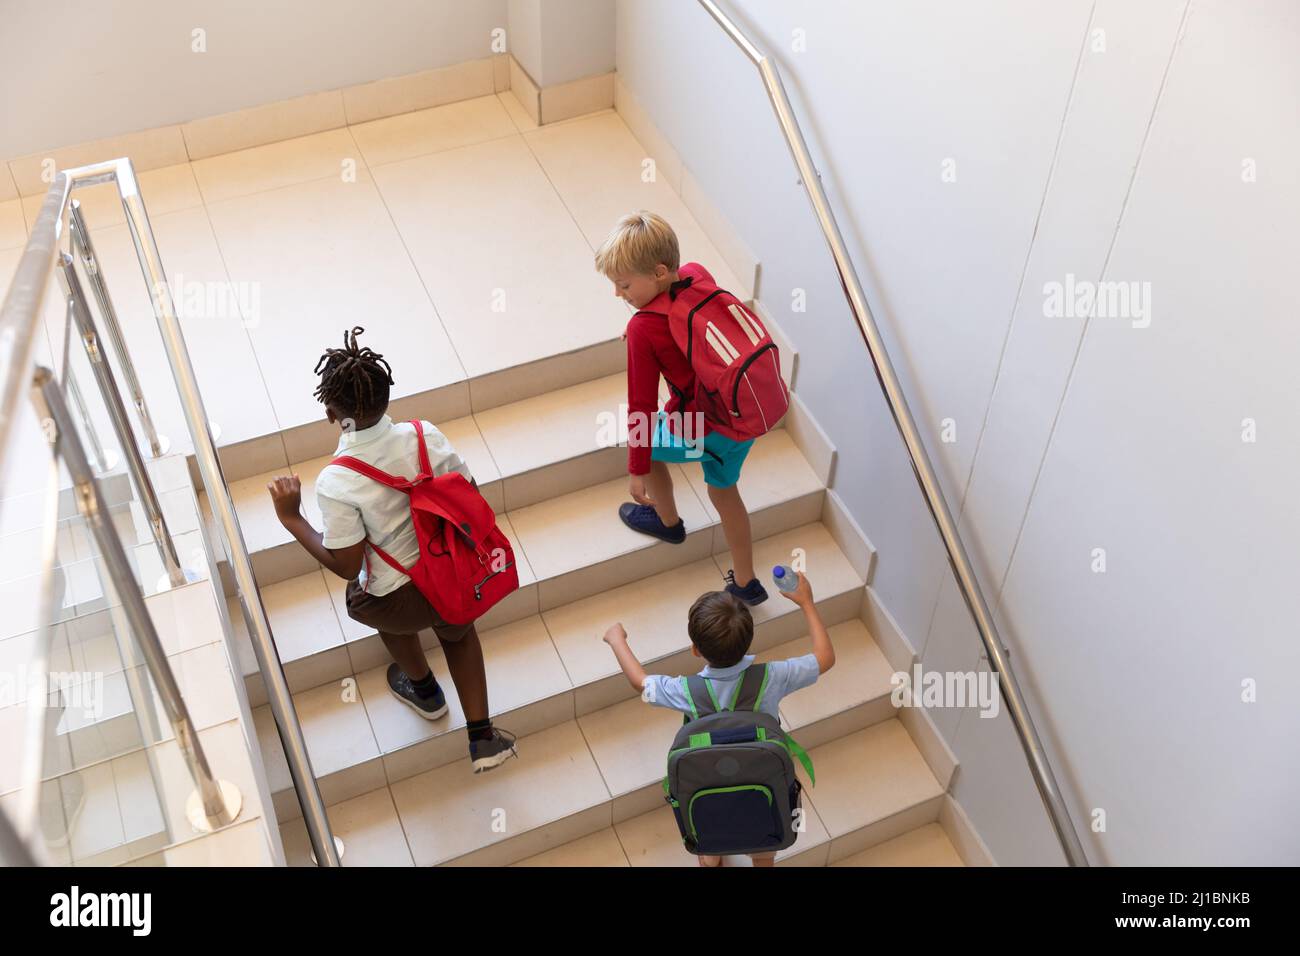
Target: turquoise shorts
<point x="720" y="455"/>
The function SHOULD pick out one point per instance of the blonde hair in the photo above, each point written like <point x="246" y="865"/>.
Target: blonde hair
<point x="639" y="242"/>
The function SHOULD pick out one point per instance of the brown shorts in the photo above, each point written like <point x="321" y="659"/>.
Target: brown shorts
<point x="404" y="611"/>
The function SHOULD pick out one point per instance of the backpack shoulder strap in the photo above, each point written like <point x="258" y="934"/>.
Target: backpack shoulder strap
<point x="753" y="685"/>
<point x="426" y="470"/>
<point x="700" y="694"/>
<point x="384" y="478"/>
<point x="370" y="471"/>
<point x="387" y="558"/>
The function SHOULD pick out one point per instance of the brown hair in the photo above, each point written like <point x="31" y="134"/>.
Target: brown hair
<point x="721" y="627"/>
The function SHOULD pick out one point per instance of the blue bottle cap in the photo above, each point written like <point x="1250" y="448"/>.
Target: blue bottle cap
<point x="778" y="572"/>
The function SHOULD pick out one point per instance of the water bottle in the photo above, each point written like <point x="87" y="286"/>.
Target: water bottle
<point x="786" y="580"/>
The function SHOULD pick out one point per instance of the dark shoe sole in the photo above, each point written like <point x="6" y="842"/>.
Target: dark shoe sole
<point x="651" y="534"/>
<point x="484" y="764"/>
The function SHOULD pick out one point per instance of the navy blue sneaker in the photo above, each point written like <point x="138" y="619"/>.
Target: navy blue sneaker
<point x="645" y="519"/>
<point x="752" y="593"/>
<point x="399" y="685"/>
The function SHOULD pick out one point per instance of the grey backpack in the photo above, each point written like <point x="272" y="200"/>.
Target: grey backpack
<point x="731" y="780"/>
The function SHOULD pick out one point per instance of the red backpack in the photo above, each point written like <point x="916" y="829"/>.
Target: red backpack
<point x="738" y="384"/>
<point x="466" y="564"/>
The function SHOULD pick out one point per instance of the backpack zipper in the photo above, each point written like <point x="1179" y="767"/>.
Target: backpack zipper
<point x="735" y="392"/>
<point x="478" y="596"/>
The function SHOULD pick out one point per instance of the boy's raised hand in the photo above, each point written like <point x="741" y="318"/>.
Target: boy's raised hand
<point x="615" y="633"/>
<point x="802" y="595"/>
<point x="286" y="494"/>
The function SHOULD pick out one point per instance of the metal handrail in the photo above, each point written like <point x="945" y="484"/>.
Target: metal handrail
<point x="218" y="802"/>
<point x="926" y="477"/>
<point x="20" y="313"/>
<point x="103" y="373"/>
<point x="223" y="508"/>
<point x="19" y="318"/>
<point x="85" y="248"/>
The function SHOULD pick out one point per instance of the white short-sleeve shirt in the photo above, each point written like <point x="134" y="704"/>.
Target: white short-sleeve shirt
<point x="356" y="508"/>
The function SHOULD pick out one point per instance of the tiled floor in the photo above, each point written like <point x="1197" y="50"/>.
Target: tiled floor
<point x="460" y="238"/>
<point x="522" y="812"/>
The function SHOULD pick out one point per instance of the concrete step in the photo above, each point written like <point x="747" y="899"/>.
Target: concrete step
<point x="463" y="399"/>
<point x="553" y="807"/>
<point x="541" y="670"/>
<point x="567" y="548"/>
<point x="500" y="446"/>
<point x="925" y="846"/>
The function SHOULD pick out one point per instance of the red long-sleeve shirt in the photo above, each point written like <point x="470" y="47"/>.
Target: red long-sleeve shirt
<point x="651" y="352"/>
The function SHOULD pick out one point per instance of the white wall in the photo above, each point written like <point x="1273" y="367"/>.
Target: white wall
<point x="1122" y="163"/>
<point x="557" y="41"/>
<point x="80" y="70"/>
<point x="525" y="33"/>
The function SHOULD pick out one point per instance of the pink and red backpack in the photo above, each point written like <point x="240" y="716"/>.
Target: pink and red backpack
<point x="466" y="564"/>
<point x="738" y="384"/>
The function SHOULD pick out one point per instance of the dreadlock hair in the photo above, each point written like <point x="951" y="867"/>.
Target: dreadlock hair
<point x="354" y="380"/>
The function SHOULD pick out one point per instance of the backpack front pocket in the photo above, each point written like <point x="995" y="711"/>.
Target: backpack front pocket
<point x="736" y="819"/>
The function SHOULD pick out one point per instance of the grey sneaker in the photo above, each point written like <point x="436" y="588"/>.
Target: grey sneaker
<point x="496" y="750"/>
<point x="399" y="685"/>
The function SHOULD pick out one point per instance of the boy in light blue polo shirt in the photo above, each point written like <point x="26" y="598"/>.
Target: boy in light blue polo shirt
<point x="721" y="630"/>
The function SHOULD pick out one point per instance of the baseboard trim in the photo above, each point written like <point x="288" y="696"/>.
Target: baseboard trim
<point x="934" y="749"/>
<point x="962" y="834"/>
<point x="265" y="123"/>
<point x="525" y="91"/>
<point x="898" y="650"/>
<point x="668" y="163"/>
<point x="576" y="98"/>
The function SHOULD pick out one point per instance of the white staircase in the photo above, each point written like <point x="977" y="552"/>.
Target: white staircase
<point x="586" y="787"/>
<point x="448" y="206"/>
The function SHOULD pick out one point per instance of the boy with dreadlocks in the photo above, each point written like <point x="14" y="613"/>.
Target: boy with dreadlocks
<point x="354" y="390"/>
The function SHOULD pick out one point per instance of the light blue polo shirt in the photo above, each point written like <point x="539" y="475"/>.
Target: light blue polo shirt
<point x="783" y="677"/>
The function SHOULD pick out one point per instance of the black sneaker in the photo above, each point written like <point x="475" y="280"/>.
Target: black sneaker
<point x="645" y="519"/>
<point x="400" y="686"/>
<point x="493" y="752"/>
<point x="752" y="593"/>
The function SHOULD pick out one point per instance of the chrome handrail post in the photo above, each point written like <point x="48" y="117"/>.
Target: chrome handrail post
<point x="21" y="310"/>
<point x="926" y="477"/>
<point x="104" y="377"/>
<point x="102" y="454"/>
<point x="218" y="801"/>
<point x="85" y="248"/>
<point x="223" y="509"/>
